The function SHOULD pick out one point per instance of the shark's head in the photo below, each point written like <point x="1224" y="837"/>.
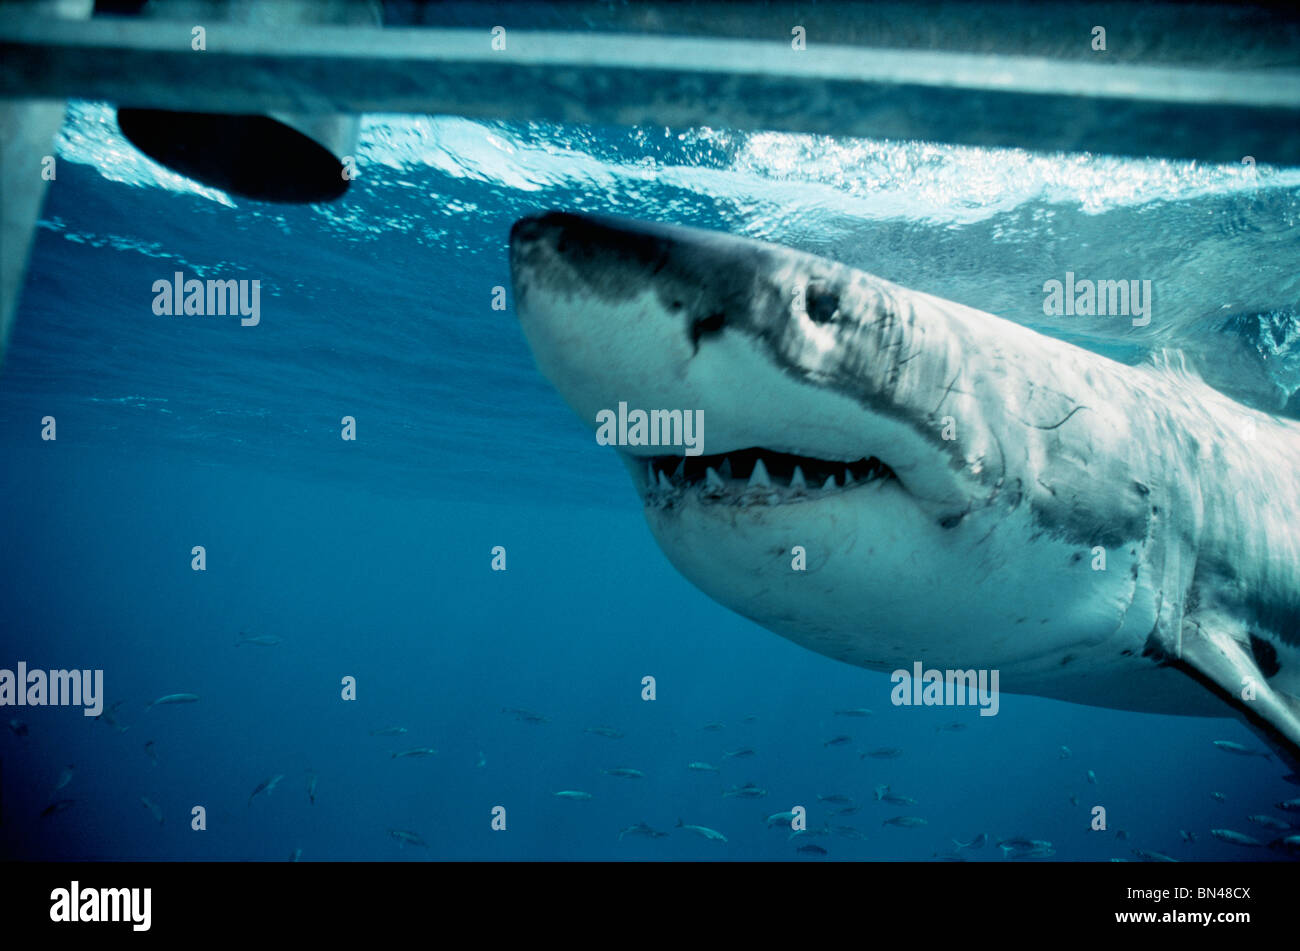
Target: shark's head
<point x="790" y="358"/>
<point x="840" y="426"/>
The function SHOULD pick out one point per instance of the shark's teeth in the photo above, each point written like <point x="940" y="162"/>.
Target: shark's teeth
<point x="756" y="477"/>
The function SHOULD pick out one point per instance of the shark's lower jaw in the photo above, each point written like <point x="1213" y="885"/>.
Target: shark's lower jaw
<point x="753" y="477"/>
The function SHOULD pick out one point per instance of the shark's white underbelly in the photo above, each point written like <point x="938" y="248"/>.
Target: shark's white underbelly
<point x="882" y="591"/>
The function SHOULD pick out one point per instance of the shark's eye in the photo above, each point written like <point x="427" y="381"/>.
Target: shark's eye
<point x="821" y="303"/>
<point x="1265" y="656"/>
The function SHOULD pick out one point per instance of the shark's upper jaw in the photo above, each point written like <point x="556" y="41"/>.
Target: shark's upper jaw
<point x="751" y="477"/>
<point x="761" y="340"/>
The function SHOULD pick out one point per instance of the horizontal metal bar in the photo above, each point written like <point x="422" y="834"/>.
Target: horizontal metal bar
<point x="603" y="78"/>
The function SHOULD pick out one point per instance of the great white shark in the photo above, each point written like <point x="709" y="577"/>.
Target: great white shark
<point x="969" y="493"/>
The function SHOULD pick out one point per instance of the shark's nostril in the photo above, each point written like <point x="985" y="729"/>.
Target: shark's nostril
<point x="525" y="231"/>
<point x="711" y="324"/>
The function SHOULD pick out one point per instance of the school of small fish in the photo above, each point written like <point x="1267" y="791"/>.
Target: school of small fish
<point x="1276" y="828"/>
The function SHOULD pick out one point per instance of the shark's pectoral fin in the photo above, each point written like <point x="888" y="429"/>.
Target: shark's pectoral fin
<point x="1217" y="651"/>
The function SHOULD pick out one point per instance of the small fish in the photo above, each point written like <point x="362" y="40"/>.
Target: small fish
<point x="266" y="786"/>
<point x="897" y="800"/>
<point x="482" y="760"/>
<point x="1230" y="747"/>
<point x="750" y="718"/>
<point x="625" y="772"/>
<point x="1289" y="844"/>
<point x="1289" y="805"/>
<point x="948" y="857"/>
<point x="906" y="822"/>
<point x="1268" y="822"/>
<point x="109" y="718"/>
<point x="528" y="716"/>
<point x="885" y="752"/>
<point x="642" y="829"/>
<point x="747" y="791"/>
<point x="848" y="832"/>
<point x="713" y="727"/>
<point x="1188" y="837"/>
<point x="173" y="698"/>
<point x="1121" y="834"/>
<point x="823" y="829"/>
<point x="1146" y="855"/>
<point x="151" y="752"/>
<point x="1038" y="853"/>
<point x="573" y="794"/>
<point x="18" y="726"/>
<point x="1074" y="800"/>
<point x="838" y="740"/>
<point x="1219" y="796"/>
<point x="780" y="819"/>
<point x="855" y="712"/>
<point x="405" y="837"/>
<point x="311" y="786"/>
<point x="297" y="855"/>
<point x="389" y="731"/>
<point x="702" y="767"/>
<point x="705" y="831"/>
<point x="258" y="640"/>
<point x="811" y="849"/>
<point x="1092" y="777"/>
<point x="880" y="792"/>
<point x="950" y="728"/>
<point x="1065" y="753"/>
<point x="1020" y="847"/>
<point x="65" y="776"/>
<point x="976" y="843"/>
<point x="153" y="808"/>
<point x="847" y="811"/>
<point x="56" y="807"/>
<point x="604" y="731"/>
<point x="837" y="798"/>
<point x="1236" y="838"/>
<point x="418" y="751"/>
<point x="739" y="754"/>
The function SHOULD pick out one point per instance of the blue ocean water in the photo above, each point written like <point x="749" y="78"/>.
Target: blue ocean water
<point x="371" y="558"/>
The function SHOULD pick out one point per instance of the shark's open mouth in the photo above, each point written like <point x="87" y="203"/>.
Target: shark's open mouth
<point x="756" y="476"/>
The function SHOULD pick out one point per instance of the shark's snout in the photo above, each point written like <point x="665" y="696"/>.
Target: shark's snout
<point x="599" y="313"/>
<point x="602" y="252"/>
<point x="526" y="231"/>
